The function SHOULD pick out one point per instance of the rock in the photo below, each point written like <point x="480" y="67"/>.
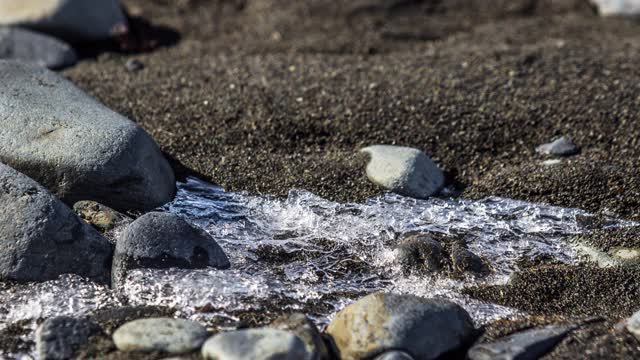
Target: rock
<point x="134" y="65"/>
<point x="41" y="238"/>
<point x="42" y="50"/>
<point x="299" y="325"/>
<point x="76" y="20"/>
<point x="394" y="355"/>
<point x="75" y="146"/>
<point x="559" y="147"/>
<point x="424" y="328"/>
<point x="173" y="336"/>
<point x="57" y="338"/>
<point x="633" y="325"/>
<point x="419" y="252"/>
<point x="101" y="217"/>
<point x="162" y="240"/>
<point x="617" y="7"/>
<point x="464" y="261"/>
<point x="255" y="344"/>
<point x="403" y="170"/>
<point x="526" y="345"/>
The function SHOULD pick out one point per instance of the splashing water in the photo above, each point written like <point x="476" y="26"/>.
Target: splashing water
<point x="307" y="253"/>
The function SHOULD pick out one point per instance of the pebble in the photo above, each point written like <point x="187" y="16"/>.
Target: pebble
<point x="617" y="7"/>
<point x="526" y="345"/>
<point x="173" y="336"/>
<point x="464" y="261"/>
<point x="299" y="324"/>
<point x="633" y="325"/>
<point x="403" y="170"/>
<point x="425" y="328"/>
<point x="57" y="338"/>
<point x="134" y="65"/>
<point x="75" y="20"/>
<point x="75" y="146"/>
<point x="419" y="252"/>
<point x="41" y="238"/>
<point x="39" y="49"/>
<point x="394" y="355"/>
<point x="255" y="344"/>
<point x="162" y="240"/>
<point x="559" y="147"/>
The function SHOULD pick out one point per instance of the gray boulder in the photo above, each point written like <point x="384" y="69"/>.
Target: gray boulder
<point x="76" y="147"/>
<point x="41" y="238"/>
<point x="299" y="325"/>
<point x="28" y="46"/>
<point x="57" y="338"/>
<point x="424" y="328"/>
<point x="173" y="336"/>
<point x="77" y="20"/>
<point x="255" y="344"/>
<point x="559" y="147"/>
<point x="162" y="240"/>
<point x="402" y="170"/>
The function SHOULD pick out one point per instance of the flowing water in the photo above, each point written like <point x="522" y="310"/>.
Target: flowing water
<point x="310" y="254"/>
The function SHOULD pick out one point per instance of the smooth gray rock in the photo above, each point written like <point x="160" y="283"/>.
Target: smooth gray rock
<point x="173" y="336"/>
<point x="41" y="238"/>
<point x="559" y="147"/>
<point x="419" y="252"/>
<point x="526" y="345"/>
<point x="394" y="355"/>
<point x="424" y="328"/>
<point x="57" y="338"/>
<point x="39" y="49"/>
<point x="162" y="240"/>
<point x="633" y="325"/>
<point x="76" y="20"/>
<point x="75" y="146"/>
<point x="402" y="170"/>
<point x="255" y="344"/>
<point x="299" y="325"/>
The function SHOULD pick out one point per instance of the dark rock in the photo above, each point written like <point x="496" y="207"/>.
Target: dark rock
<point x="101" y="217"/>
<point x="28" y="46"/>
<point x="41" y="238"/>
<point x="526" y="345"/>
<point x="420" y="252"/>
<point x="75" y="146"/>
<point x="57" y="338"/>
<point x="162" y="240"/>
<point x="299" y="325"/>
<point x="559" y="147"/>
<point x="464" y="261"/>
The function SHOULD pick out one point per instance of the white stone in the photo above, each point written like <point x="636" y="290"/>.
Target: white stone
<point x="403" y="170"/>
<point x="617" y="7"/>
<point x="255" y="344"/>
<point x="174" y="336"/>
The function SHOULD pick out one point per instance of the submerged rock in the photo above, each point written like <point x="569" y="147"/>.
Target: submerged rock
<point x="559" y="147"/>
<point x="78" y="20"/>
<point x="424" y="328"/>
<point x="464" y="261"/>
<point x="57" y="338"/>
<point x="41" y="238"/>
<point x="75" y="146"/>
<point x="162" y="240"/>
<point x="173" y="336"/>
<point x="299" y="325"/>
<point x="617" y="7"/>
<point x="403" y="170"/>
<point x="526" y="345"/>
<point x="256" y="344"/>
<point x="419" y="252"/>
<point x="28" y="46"/>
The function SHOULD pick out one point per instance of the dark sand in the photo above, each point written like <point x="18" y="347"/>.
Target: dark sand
<point x="269" y="95"/>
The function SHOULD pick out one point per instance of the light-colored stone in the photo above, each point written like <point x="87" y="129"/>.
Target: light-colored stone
<point x="255" y="344"/>
<point x="41" y="238"/>
<point x="29" y="46"/>
<point x="299" y="325"/>
<point x="403" y="170"/>
<point x="559" y="147"/>
<point x="394" y="355"/>
<point x="174" y="336"/>
<point x="76" y="147"/>
<point x="633" y="325"/>
<point x="617" y="7"/>
<point x="79" y="20"/>
<point x="424" y="328"/>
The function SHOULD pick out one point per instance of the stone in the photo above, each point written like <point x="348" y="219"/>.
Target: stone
<point x="464" y="261"/>
<point x="76" y="147"/>
<point x="255" y="344"/>
<point x="134" y="65"/>
<point x="379" y="322"/>
<point x="42" y="50"/>
<point x="419" y="252"/>
<point x="299" y="325"/>
<point x="173" y="336"/>
<point x="58" y="338"/>
<point x="394" y="355"/>
<point x="76" y="20"/>
<point x="617" y="7"/>
<point x="403" y="170"/>
<point x="633" y="325"/>
<point x="101" y="217"/>
<point x="163" y="240"/>
<point x="526" y="345"/>
<point x="41" y="238"/>
<point x="559" y="147"/>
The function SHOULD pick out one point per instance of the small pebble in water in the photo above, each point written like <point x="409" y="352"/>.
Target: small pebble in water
<point x="134" y="65"/>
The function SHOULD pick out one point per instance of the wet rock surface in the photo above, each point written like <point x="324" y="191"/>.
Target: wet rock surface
<point x="59" y="337"/>
<point x="173" y="336"/>
<point x="41" y="238"/>
<point x="259" y="344"/>
<point x="562" y="146"/>
<point x="32" y="47"/>
<point x="298" y="324"/>
<point x="101" y="217"/>
<point x="420" y="252"/>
